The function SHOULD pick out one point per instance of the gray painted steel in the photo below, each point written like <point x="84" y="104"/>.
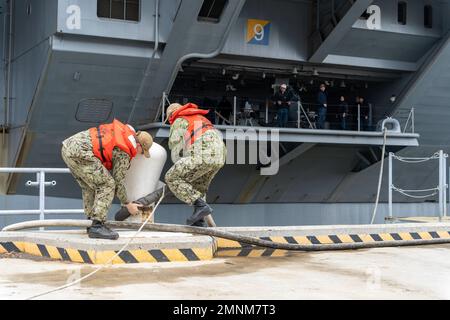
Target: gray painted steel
<point x="334" y="137"/>
<point x="393" y="46"/>
<point x="92" y="25"/>
<point x="290" y="23"/>
<point x="340" y="30"/>
<point x="54" y="68"/>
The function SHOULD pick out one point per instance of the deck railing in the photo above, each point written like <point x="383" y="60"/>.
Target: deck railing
<point x="42" y="185"/>
<point x="302" y="115"/>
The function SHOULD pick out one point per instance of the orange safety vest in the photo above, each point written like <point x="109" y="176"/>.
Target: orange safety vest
<point x="109" y="136"/>
<point x="198" y="124"/>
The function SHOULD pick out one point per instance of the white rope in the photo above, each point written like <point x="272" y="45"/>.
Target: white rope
<point x="416" y="190"/>
<point x="417" y="197"/>
<point x="380" y="178"/>
<point x="415" y="160"/>
<point x="108" y="262"/>
<point x="407" y="192"/>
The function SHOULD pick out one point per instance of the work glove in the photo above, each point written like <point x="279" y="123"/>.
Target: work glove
<point x="124" y="214"/>
<point x="153" y="197"/>
<point x="146" y="202"/>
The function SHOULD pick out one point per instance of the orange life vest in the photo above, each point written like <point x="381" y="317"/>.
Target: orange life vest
<point x="109" y="136"/>
<point x="198" y="124"/>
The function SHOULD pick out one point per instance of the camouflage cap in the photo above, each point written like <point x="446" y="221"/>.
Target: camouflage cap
<point x="171" y="109"/>
<point x="146" y="141"/>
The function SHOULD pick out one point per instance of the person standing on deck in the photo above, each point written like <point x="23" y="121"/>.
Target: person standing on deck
<point x="282" y="99"/>
<point x="322" y="100"/>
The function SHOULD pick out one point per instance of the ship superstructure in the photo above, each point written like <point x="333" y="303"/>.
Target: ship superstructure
<point x="72" y="64"/>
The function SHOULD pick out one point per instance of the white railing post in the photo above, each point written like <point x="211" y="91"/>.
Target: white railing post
<point x="441" y="185"/>
<point x="164" y="107"/>
<point x="359" y="117"/>
<point x="413" y="120"/>
<point x="41" y="181"/>
<point x="390" y="186"/>
<point x="444" y="178"/>
<point x="235" y="111"/>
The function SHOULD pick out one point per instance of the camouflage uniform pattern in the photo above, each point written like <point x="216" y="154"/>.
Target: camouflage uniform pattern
<point x="97" y="184"/>
<point x="190" y="177"/>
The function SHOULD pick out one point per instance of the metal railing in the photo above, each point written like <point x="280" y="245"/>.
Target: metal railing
<point x="440" y="190"/>
<point x="356" y="118"/>
<point x="42" y="185"/>
<point x="411" y="118"/>
<point x="407" y="119"/>
<point x="351" y="118"/>
<point x="164" y="101"/>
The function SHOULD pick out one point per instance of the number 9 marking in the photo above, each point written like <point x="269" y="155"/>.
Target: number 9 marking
<point x="259" y="32"/>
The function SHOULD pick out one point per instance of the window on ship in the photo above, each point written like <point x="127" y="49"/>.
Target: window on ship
<point x="127" y="10"/>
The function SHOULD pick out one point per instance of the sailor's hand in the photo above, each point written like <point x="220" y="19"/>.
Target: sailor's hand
<point x="134" y="208"/>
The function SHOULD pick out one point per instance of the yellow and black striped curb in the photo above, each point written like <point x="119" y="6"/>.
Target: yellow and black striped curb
<point x="228" y="248"/>
<point x="101" y="257"/>
<point x="216" y="248"/>
<point x="251" y="253"/>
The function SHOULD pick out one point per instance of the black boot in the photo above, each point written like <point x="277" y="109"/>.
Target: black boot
<point x="201" y="210"/>
<point x="99" y="231"/>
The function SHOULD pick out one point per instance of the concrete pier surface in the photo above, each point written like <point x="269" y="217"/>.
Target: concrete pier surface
<point x="381" y="273"/>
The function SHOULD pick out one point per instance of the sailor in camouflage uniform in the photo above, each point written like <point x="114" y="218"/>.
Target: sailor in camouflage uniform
<point x="199" y="153"/>
<point x="90" y="156"/>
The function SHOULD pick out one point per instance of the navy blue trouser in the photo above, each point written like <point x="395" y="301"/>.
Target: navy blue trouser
<point x="283" y="117"/>
<point x="322" y="118"/>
